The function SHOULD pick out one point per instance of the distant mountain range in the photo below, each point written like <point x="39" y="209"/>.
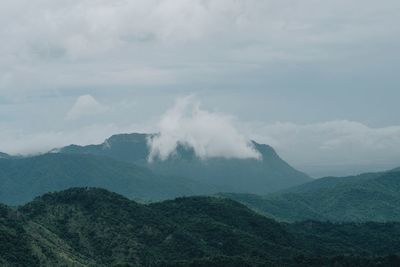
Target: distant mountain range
<point x="269" y="186"/>
<point x="120" y="164"/>
<point x="366" y="197"/>
<point x="263" y="176"/>
<point x="94" y="227"/>
<point x="22" y="179"/>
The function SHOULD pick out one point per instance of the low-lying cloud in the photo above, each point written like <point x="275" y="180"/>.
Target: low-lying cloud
<point x="210" y="134"/>
<point x="16" y="143"/>
<point x="332" y="144"/>
<point x="338" y="147"/>
<point x="85" y="105"/>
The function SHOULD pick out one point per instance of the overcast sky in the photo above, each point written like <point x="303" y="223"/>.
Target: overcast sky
<point x="317" y="79"/>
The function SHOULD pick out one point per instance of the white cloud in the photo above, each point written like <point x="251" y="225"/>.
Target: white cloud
<point x="14" y="142"/>
<point x="88" y="42"/>
<point x="332" y="143"/>
<point x="210" y="134"/>
<point x="85" y="105"/>
<point x="287" y="49"/>
<point x="322" y="148"/>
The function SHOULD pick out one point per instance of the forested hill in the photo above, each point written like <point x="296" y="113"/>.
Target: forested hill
<point x="94" y="227"/>
<point x="365" y="197"/>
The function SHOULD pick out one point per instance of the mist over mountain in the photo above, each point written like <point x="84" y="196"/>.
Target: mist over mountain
<point x="208" y="134"/>
<point x="94" y="227"/>
<point x="267" y="174"/>
<point x="193" y="133"/>
<point x="123" y="147"/>
<point x="365" y="197"/>
<point x="121" y="165"/>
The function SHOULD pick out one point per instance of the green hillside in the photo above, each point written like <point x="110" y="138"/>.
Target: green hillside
<point x="94" y="227"/>
<point x="229" y="175"/>
<point x="23" y="179"/>
<point x="14" y="241"/>
<point x="367" y="197"/>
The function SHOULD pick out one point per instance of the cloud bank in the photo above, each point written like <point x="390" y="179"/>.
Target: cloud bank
<point x="210" y="134"/>
<point x="125" y="42"/>
<point x="336" y="147"/>
<point x="333" y="144"/>
<point x="85" y="105"/>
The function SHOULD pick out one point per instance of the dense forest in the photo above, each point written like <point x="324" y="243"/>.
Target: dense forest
<point x="94" y="227"/>
<point x="362" y="198"/>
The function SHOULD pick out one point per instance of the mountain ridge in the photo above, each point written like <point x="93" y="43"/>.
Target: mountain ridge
<point x="365" y="197"/>
<point x="114" y="164"/>
<point x="95" y="227"/>
<point x="21" y="179"/>
<point x="228" y="175"/>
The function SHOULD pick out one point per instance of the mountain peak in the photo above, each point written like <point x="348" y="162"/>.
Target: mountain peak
<point x="74" y="194"/>
<point x="227" y="174"/>
<point x="88" y="198"/>
<point x="127" y="138"/>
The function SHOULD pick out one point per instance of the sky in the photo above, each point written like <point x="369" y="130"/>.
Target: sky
<point x="317" y="80"/>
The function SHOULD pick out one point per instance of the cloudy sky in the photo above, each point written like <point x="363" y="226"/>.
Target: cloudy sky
<point x="316" y="79"/>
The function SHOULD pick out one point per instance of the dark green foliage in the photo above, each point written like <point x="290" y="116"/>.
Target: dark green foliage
<point x="301" y="261"/>
<point x="14" y="245"/>
<point x="221" y="227"/>
<point x="93" y="227"/>
<point x="100" y="225"/>
<point x="344" y="261"/>
<point x="220" y="261"/>
<point x="367" y="197"/>
<point x="370" y="238"/>
<point x="105" y="226"/>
